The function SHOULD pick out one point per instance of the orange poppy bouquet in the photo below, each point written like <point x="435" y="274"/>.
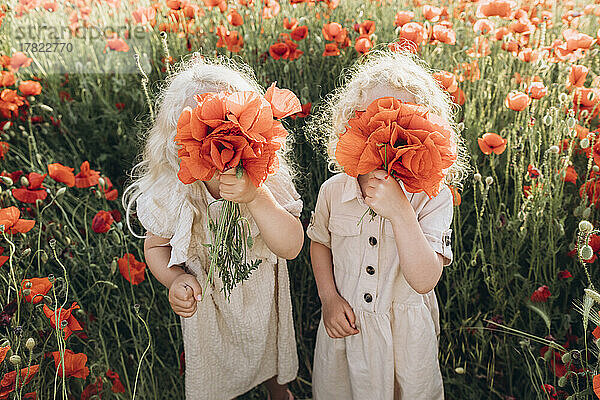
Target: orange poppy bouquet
<point x="410" y="143"/>
<point x="238" y="130"/>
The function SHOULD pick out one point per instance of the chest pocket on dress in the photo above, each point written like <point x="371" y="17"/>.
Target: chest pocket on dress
<point x="345" y="240"/>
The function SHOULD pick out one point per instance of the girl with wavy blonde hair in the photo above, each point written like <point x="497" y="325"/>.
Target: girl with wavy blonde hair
<point x="378" y="334"/>
<point x="230" y="345"/>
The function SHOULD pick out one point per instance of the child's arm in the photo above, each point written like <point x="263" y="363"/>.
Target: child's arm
<point x="338" y="316"/>
<point x="184" y="289"/>
<point x="421" y="265"/>
<point x="281" y="231"/>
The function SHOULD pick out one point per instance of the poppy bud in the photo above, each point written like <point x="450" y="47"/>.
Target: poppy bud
<point x="489" y="180"/>
<point x="52" y="242"/>
<point x="24" y="181"/>
<point x="586" y="213"/>
<point x="547" y="119"/>
<point x="586" y="252"/>
<point x="101" y="182"/>
<point x="459" y="370"/>
<point x="15" y="360"/>
<point x="563" y="98"/>
<point x="571" y="122"/>
<point x="46" y="108"/>
<point x="7" y="180"/>
<point x="113" y="266"/>
<point x="98" y="194"/>
<point x="6" y="125"/>
<point x="584" y="143"/>
<point x="26" y="252"/>
<point x="30" y="344"/>
<point x="477" y="177"/>
<point x="548" y="355"/>
<point x="554" y="149"/>
<point x="44" y="257"/>
<point x="595" y="168"/>
<point x="585" y="226"/>
<point x="566" y="358"/>
<point x="116" y="236"/>
<point x="562" y="381"/>
<point x="68" y="240"/>
<point x="61" y="191"/>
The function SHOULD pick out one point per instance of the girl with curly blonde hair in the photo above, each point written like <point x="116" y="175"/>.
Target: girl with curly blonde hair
<point x="378" y="335"/>
<point x="230" y="345"/>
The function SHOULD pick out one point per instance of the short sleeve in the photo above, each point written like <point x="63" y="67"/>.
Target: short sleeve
<point x="435" y="219"/>
<point x="167" y="213"/>
<point x="318" y="229"/>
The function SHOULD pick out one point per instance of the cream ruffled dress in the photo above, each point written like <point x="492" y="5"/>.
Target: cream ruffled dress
<point x="230" y="346"/>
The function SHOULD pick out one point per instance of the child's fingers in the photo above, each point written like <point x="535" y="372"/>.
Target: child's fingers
<point x="350" y="315"/>
<point x="380" y="174"/>
<point x="181" y="292"/>
<point x="196" y="289"/>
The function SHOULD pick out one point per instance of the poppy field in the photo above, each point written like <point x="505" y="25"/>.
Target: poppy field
<point x="81" y="317"/>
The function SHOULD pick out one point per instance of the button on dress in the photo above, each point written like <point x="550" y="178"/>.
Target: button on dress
<point x="395" y="355"/>
<point x="230" y="346"/>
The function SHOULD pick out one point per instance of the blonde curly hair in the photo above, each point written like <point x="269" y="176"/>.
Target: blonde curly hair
<point x="400" y="71"/>
<point x="159" y="164"/>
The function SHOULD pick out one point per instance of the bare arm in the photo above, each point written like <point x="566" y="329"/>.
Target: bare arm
<point x="184" y="289"/>
<point x="157" y="257"/>
<point x="338" y="316"/>
<point x="421" y="265"/>
<point x="280" y="230"/>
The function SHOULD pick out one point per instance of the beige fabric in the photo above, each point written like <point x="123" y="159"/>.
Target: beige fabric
<point x="395" y="354"/>
<point x="230" y="347"/>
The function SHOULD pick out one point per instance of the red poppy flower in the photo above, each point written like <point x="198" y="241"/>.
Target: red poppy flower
<point x="405" y="138"/>
<point x="30" y="88"/>
<point x="8" y="382"/>
<point x="230" y="39"/>
<point x="74" y="364"/>
<point x="541" y="294"/>
<point x="304" y="113"/>
<point x="117" y="44"/>
<point x="414" y="32"/>
<point x="3" y="259"/>
<point x="226" y="129"/>
<point x="37" y="287"/>
<point x="109" y="191"/>
<point x="290" y="23"/>
<point x="334" y="32"/>
<point x="570" y="175"/>
<point x="444" y="34"/>
<point x="4" y="147"/>
<point x="120" y="106"/>
<point x="483" y="26"/>
<point x="10" y="218"/>
<point x="92" y="390"/>
<point x="117" y="386"/>
<point x="403" y="17"/>
<point x="432" y="13"/>
<point x="102" y="221"/>
<point x="500" y="8"/>
<point x="10" y="102"/>
<point x="331" y="49"/>
<point x="34" y="191"/>
<point x="86" y="177"/>
<point x="533" y="171"/>
<point x="366" y="28"/>
<point x="299" y="33"/>
<point x="3" y="351"/>
<point x="492" y="143"/>
<point x="517" y="101"/>
<point x="565" y="274"/>
<point x="591" y="189"/>
<point x="7" y="78"/>
<point x="363" y="44"/>
<point x="131" y="269"/>
<point x="63" y="174"/>
<point x="577" y="75"/>
<point x="234" y="18"/>
<point x="537" y="90"/>
<point x="19" y="60"/>
<point x="71" y="325"/>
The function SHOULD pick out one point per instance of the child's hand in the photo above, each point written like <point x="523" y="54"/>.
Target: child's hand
<point x="184" y="292"/>
<point x="238" y="190"/>
<point x="385" y="196"/>
<point x="338" y="317"/>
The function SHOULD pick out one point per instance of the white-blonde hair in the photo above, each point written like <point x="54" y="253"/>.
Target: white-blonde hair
<point x="159" y="164"/>
<point x="399" y="70"/>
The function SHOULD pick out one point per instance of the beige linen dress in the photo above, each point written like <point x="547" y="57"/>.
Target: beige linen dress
<point x="230" y="346"/>
<point x="395" y="355"/>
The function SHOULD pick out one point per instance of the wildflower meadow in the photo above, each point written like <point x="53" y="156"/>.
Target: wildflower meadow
<point x="81" y="317"/>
